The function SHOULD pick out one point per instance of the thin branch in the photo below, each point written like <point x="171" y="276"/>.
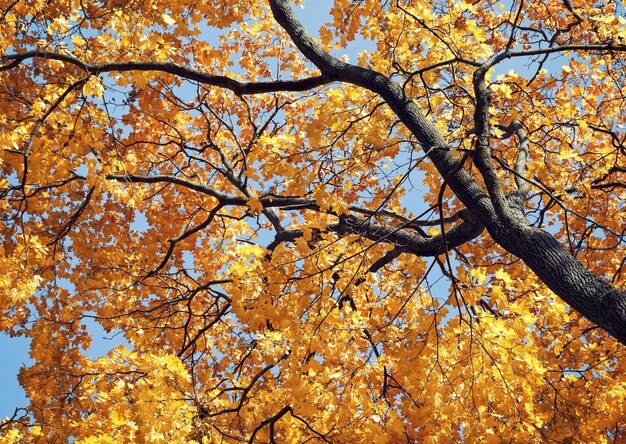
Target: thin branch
<point x="271" y="421"/>
<point x="509" y="44"/>
<point x="42" y="119"/>
<point x="497" y="58"/>
<point x="73" y="218"/>
<point x="184" y="236"/>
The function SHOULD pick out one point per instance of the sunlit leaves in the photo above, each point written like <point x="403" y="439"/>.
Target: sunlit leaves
<point x="201" y="228"/>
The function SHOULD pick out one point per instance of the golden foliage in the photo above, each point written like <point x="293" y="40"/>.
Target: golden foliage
<point x="153" y="202"/>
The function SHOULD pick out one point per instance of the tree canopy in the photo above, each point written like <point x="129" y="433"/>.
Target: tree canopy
<point x="406" y="225"/>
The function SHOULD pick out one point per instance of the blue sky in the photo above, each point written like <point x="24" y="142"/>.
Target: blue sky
<point x="14" y="355"/>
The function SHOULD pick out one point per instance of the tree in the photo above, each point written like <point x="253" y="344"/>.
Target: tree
<point x="263" y="221"/>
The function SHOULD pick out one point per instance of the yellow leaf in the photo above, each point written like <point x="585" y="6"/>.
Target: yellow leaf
<point x="504" y="276"/>
<point x="116" y="419"/>
<point x="168" y="19"/>
<point x="255" y="205"/>
<point x="478" y="274"/>
<point x="93" y="87"/>
<point x="566" y="154"/>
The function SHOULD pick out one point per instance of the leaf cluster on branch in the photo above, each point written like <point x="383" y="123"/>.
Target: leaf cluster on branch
<point x="288" y="240"/>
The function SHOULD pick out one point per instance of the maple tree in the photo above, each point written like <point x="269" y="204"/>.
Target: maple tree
<point x="263" y="220"/>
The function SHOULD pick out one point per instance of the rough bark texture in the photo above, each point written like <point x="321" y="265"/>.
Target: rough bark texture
<point x="410" y="242"/>
<point x="590" y="295"/>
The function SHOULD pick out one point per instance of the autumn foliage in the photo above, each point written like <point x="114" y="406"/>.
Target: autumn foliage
<point x="406" y="228"/>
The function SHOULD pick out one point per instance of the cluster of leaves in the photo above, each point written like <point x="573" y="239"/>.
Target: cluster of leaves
<point x="280" y="258"/>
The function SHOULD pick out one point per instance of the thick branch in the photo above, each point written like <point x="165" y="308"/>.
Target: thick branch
<point x="161" y="178"/>
<point x="238" y="88"/>
<point x="482" y="154"/>
<point x="285" y="203"/>
<point x="560" y="271"/>
<point x="436" y="147"/>
<point x="403" y="240"/>
<point x="409" y="241"/>
<point x="520" y="168"/>
<point x="588" y="294"/>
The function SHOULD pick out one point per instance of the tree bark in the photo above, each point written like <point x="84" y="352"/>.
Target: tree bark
<point x="590" y="295"/>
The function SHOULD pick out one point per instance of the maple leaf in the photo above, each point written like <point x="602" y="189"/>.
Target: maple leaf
<point x="422" y="245"/>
